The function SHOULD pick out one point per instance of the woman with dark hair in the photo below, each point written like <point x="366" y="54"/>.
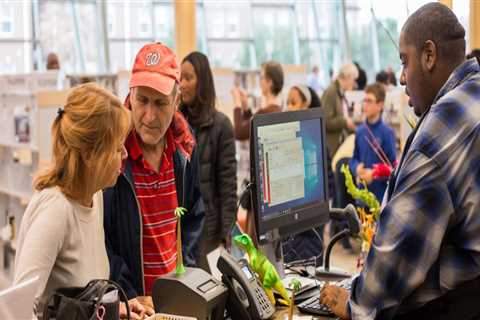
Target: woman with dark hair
<point x="216" y="143"/>
<point x="271" y="84"/>
<point x="315" y="102"/>
<point x="308" y="244"/>
<point x="302" y="97"/>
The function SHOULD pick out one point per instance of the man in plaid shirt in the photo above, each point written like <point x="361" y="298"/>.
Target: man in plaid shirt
<point x="425" y="256"/>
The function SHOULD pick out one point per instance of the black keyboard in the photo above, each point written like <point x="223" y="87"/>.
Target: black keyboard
<point x="313" y="306"/>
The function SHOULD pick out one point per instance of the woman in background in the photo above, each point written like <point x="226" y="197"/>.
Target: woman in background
<point x="61" y="237"/>
<point x="216" y="143"/>
<point x="308" y="244"/>
<point x="302" y="97"/>
<point x="271" y="84"/>
<point x="336" y="106"/>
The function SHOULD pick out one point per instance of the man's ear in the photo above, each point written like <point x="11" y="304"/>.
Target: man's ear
<point x="429" y="55"/>
<point x="130" y="95"/>
<point x="176" y="97"/>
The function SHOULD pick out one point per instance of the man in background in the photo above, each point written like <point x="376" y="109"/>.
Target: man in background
<point x="314" y="81"/>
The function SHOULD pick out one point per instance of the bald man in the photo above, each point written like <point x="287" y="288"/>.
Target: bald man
<point x="424" y="262"/>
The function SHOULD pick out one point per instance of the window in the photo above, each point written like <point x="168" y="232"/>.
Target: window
<point x="15" y="58"/>
<point x="374" y="32"/>
<point x="238" y="56"/>
<point x="6" y="19"/>
<point x="461" y="8"/>
<point x="164" y="24"/>
<point x="117" y="56"/>
<point x="111" y="22"/>
<point x="319" y="45"/>
<point x="274" y="34"/>
<point x="144" y="18"/>
<point x="6" y="63"/>
<point x="226" y="27"/>
<point x="75" y="56"/>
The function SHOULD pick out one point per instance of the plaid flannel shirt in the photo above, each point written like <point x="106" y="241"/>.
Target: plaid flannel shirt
<point x="428" y="237"/>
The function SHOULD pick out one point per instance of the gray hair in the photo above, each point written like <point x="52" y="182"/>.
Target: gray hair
<point x="348" y="71"/>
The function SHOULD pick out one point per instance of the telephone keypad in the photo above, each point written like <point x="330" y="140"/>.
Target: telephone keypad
<point x="262" y="299"/>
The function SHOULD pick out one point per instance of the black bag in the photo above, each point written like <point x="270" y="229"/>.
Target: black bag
<point x="76" y="303"/>
<point x="246" y="196"/>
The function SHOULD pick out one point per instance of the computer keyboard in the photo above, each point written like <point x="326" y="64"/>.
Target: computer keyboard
<point x="313" y="306"/>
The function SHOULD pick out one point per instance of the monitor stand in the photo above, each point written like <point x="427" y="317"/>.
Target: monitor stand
<point x="274" y="253"/>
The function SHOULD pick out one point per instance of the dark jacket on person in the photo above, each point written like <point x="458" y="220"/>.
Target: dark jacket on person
<point x="123" y="223"/>
<point x="366" y="154"/>
<point x="332" y="100"/>
<point x="218" y="165"/>
<point x="123" y="216"/>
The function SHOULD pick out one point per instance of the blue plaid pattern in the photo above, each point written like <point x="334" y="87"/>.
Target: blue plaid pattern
<point x="428" y="237"/>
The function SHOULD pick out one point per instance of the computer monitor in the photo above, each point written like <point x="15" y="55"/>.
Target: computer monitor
<point x="288" y="164"/>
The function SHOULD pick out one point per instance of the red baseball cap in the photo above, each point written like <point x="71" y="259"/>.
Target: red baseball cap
<point x="155" y="67"/>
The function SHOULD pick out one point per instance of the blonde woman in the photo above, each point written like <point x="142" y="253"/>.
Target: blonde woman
<point x="61" y="237"/>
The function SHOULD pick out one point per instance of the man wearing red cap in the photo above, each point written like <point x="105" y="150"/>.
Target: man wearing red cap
<point x="159" y="175"/>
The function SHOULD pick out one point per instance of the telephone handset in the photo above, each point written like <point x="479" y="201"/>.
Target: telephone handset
<point x="246" y="298"/>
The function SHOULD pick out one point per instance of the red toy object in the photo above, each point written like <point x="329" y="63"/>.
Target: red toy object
<point x="381" y="171"/>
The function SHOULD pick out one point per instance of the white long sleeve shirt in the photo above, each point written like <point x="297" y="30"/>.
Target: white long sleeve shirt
<point x="62" y="242"/>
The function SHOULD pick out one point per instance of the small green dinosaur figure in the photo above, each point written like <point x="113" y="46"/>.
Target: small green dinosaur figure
<point x="361" y="194"/>
<point x="266" y="271"/>
<point x="179" y="269"/>
<point x="295" y="285"/>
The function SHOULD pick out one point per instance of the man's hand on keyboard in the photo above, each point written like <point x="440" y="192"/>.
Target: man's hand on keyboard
<point x="336" y="299"/>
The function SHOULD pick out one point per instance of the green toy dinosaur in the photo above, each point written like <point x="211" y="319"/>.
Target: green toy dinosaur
<point x="361" y="194"/>
<point x="295" y="285"/>
<point x="179" y="269"/>
<point x="266" y="271"/>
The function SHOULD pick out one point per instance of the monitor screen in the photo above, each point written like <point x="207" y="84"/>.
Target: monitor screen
<point x="289" y="172"/>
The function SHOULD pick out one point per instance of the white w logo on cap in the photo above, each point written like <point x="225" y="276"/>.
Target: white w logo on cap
<point x="152" y="59"/>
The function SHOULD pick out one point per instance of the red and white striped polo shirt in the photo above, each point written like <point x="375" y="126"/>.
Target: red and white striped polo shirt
<point x="157" y="196"/>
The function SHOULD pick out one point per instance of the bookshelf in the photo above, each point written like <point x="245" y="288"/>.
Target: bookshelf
<point x="28" y="104"/>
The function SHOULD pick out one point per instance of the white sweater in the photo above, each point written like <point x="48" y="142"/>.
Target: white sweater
<point x="62" y="242"/>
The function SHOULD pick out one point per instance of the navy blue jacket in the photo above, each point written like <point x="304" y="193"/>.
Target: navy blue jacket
<point x="364" y="153"/>
<point x="123" y="229"/>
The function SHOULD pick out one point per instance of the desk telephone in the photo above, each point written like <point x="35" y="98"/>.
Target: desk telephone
<point x="246" y="298"/>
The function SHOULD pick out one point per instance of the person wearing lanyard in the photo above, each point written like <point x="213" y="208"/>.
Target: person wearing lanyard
<point x="336" y="107"/>
<point x="424" y="258"/>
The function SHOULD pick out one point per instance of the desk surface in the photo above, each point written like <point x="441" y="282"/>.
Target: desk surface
<point x="282" y="312"/>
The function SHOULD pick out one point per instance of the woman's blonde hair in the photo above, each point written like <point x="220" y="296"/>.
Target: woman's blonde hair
<point x="86" y="136"/>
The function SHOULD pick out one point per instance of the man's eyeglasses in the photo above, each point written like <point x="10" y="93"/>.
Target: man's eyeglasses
<point x="369" y="101"/>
